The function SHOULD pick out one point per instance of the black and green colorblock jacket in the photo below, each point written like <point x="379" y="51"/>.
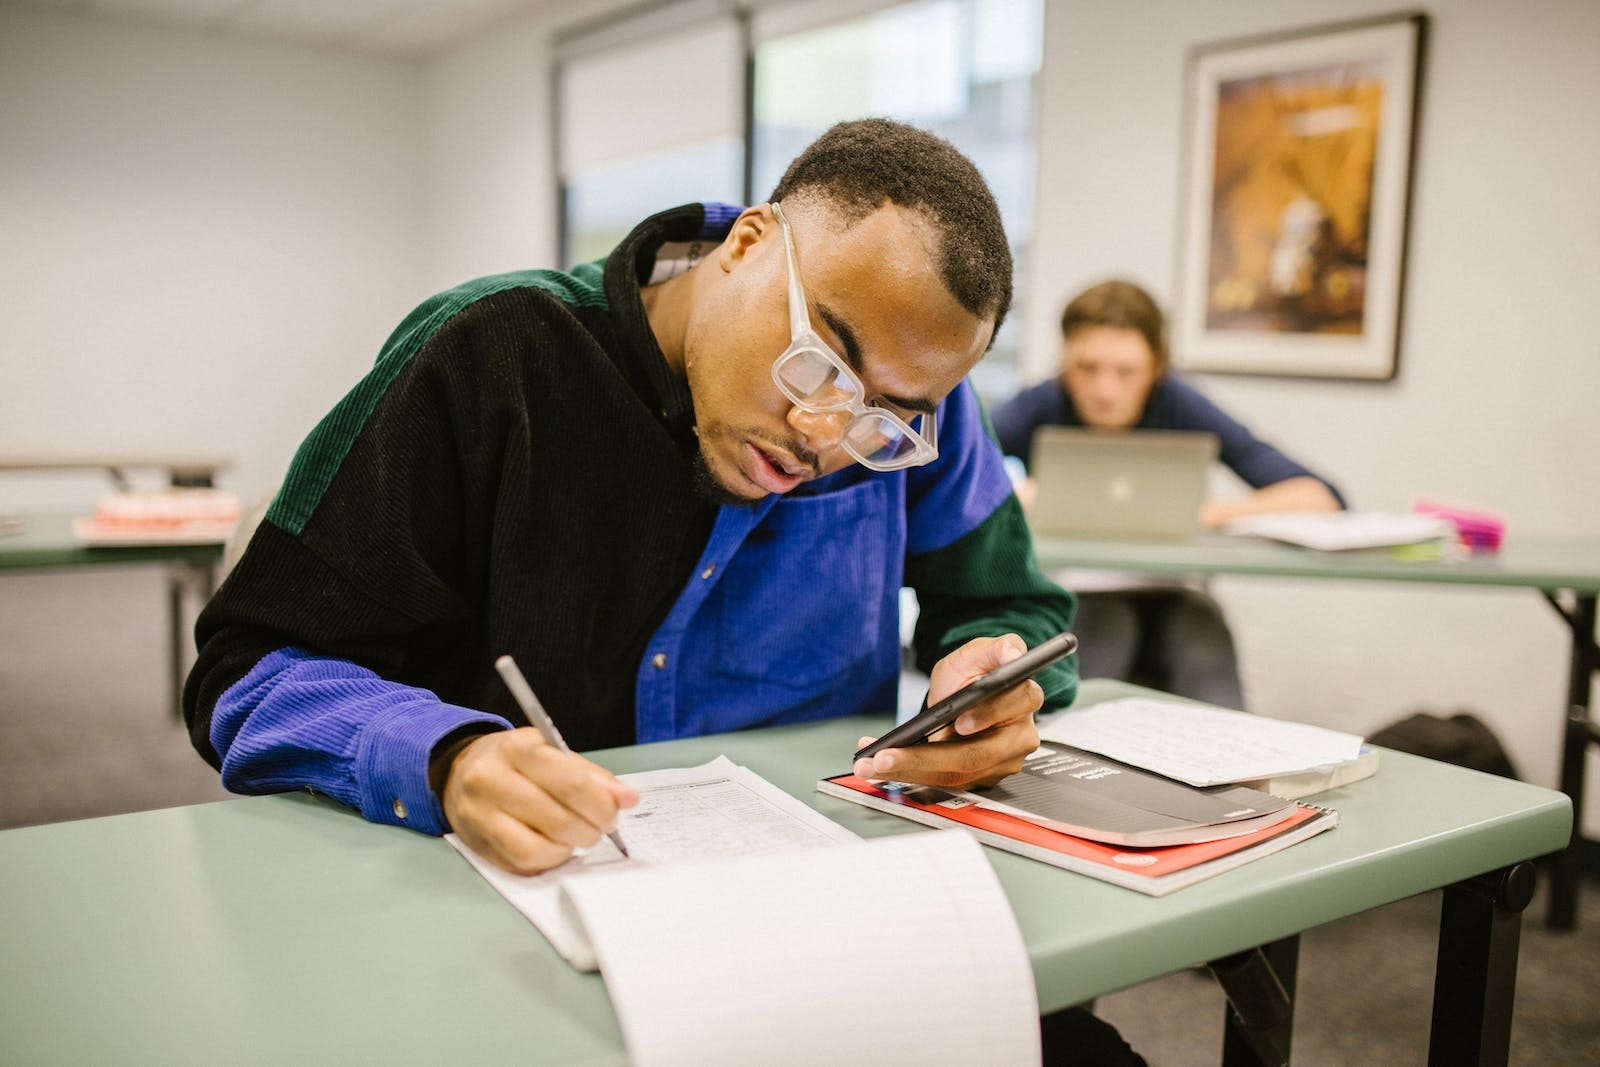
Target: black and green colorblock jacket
<point x="515" y="475"/>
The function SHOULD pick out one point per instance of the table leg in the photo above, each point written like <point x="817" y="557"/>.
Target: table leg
<point x="1259" y="1021"/>
<point x="175" y="638"/>
<point x="201" y="577"/>
<point x="1579" y="735"/>
<point x="1475" y="983"/>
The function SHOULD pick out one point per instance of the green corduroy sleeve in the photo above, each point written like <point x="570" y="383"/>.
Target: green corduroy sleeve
<point x="988" y="583"/>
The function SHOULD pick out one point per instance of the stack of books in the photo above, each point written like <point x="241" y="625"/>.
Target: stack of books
<point x="177" y="516"/>
<point x="1151" y="795"/>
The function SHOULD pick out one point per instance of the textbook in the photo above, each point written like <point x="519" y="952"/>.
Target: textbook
<point x="1152" y="871"/>
<point x="1086" y="795"/>
<point x="719" y="935"/>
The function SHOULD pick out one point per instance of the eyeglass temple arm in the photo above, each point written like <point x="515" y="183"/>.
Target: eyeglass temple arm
<point x="799" y="319"/>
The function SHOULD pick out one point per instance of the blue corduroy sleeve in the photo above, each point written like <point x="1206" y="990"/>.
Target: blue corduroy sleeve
<point x="302" y="721"/>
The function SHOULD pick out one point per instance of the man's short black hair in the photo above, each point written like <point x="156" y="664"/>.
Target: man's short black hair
<point x="858" y="165"/>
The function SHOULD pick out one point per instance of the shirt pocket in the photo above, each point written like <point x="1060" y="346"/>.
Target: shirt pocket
<point x="803" y="597"/>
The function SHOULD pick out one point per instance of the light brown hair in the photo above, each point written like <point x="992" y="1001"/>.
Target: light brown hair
<point x="1121" y="304"/>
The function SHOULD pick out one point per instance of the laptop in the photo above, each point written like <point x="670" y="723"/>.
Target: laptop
<point x="1137" y="485"/>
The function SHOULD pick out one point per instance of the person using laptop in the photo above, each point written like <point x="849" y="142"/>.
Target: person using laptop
<point x="1115" y="375"/>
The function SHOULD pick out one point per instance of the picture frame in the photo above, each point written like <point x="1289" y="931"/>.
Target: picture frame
<point x="1296" y="186"/>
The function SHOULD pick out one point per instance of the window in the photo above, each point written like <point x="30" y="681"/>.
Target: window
<point x="966" y="69"/>
<point x="652" y="114"/>
<point x="646" y="125"/>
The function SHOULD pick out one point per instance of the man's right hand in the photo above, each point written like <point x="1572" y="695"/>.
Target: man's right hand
<point x="525" y="804"/>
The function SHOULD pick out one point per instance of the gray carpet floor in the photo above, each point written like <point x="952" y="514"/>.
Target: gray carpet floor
<point x="87" y="729"/>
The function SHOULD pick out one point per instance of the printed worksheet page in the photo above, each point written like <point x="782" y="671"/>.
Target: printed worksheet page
<point x="684" y="815"/>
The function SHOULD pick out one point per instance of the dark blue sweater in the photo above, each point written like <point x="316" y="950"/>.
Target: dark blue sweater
<point x="1173" y="404"/>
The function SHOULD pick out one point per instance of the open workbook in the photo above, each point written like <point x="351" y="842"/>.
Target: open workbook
<point x="737" y="929"/>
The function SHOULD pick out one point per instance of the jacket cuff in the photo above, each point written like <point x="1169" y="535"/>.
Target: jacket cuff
<point x="392" y="762"/>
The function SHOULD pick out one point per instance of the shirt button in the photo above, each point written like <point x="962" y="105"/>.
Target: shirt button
<point x="658" y="660"/>
<point x="399" y="808"/>
<point x="708" y="571"/>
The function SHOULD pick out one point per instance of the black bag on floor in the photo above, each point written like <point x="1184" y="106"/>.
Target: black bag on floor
<point x="1462" y="739"/>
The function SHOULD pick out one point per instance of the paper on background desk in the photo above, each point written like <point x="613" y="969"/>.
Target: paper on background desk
<point x="1199" y="745"/>
<point x="1337" y="531"/>
<point x="730" y="938"/>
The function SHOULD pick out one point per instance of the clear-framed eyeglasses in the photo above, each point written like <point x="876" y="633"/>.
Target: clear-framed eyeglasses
<point x="815" y="378"/>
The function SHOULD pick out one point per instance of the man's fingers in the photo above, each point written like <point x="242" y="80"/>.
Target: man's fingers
<point x="532" y="806"/>
<point x="592" y="793"/>
<point x="526" y="804"/>
<point x="983" y="759"/>
<point x="1006" y="706"/>
<point x="971" y="661"/>
<point x="513" y="845"/>
<point x="625" y="795"/>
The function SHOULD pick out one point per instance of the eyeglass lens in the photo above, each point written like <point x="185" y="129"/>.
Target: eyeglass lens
<point x="815" y="381"/>
<point x="876" y="439"/>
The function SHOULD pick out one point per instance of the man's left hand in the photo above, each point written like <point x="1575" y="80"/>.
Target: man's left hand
<point x="986" y="743"/>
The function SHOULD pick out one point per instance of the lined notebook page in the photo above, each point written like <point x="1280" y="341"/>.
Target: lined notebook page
<point x="902" y="949"/>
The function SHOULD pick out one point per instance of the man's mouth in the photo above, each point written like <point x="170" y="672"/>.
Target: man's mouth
<point x="771" y="473"/>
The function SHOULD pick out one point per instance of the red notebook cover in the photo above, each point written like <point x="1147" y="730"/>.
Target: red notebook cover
<point x="1149" y="870"/>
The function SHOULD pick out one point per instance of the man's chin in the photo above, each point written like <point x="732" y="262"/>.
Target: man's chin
<point x="709" y="487"/>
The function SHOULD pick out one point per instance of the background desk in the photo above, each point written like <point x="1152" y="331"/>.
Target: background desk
<point x="1561" y="568"/>
<point x="276" y="929"/>
<point x="46" y="542"/>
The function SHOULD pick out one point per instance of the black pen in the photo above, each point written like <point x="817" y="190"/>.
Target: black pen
<point x="523" y="693"/>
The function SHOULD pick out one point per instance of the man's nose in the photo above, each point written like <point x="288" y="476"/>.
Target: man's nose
<point x="822" y="430"/>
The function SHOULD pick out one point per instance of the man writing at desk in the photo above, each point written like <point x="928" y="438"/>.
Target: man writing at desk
<point x="682" y="487"/>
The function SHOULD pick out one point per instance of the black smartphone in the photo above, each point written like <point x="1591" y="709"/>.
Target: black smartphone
<point x="916" y="730"/>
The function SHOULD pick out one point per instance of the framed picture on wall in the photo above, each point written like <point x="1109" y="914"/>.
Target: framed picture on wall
<point x="1297" y="176"/>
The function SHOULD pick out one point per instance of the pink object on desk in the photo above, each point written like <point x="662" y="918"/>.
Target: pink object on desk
<point x="1477" y="530"/>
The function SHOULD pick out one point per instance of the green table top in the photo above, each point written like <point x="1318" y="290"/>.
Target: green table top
<point x="1527" y="561"/>
<point x="282" y="929"/>
<point x="46" y="540"/>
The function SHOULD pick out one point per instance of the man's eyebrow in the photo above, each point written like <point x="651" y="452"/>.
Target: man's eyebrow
<point x="852" y="356"/>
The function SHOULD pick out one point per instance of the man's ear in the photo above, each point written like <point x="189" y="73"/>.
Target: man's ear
<point x="749" y="228"/>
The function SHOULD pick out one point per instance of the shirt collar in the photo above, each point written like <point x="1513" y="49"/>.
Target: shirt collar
<point x="659" y="247"/>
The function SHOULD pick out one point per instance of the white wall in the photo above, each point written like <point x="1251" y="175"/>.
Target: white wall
<point x="205" y="240"/>
<point x="490" y="168"/>
<point x="1500" y="366"/>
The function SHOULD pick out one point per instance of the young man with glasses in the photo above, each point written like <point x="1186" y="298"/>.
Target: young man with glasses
<point x="682" y="487"/>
